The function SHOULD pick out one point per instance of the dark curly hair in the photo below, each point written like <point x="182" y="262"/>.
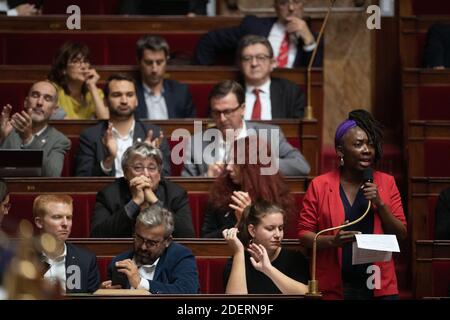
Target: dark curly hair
<point x="371" y="127"/>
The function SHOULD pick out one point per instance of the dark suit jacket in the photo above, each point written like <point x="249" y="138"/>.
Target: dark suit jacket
<point x="178" y="100"/>
<point x="111" y="221"/>
<point x="92" y="151"/>
<point x="226" y="40"/>
<point x="175" y="273"/>
<point x="87" y="262"/>
<point x="216" y="220"/>
<point x="437" y="49"/>
<point x="287" y="99"/>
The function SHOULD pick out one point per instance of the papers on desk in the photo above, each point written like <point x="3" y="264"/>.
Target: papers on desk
<point x="369" y="248"/>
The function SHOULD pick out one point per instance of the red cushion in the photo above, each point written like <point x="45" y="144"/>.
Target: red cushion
<point x="211" y="275"/>
<point x="69" y="158"/>
<point x="200" y="92"/>
<point x="437" y="158"/>
<point x="103" y="263"/>
<point x="198" y="201"/>
<point x="434" y="103"/>
<point x="86" y="6"/>
<point x="40" y="48"/>
<point x="22" y="208"/>
<point x="430" y="7"/>
<point x="441" y="278"/>
<point x="13" y="94"/>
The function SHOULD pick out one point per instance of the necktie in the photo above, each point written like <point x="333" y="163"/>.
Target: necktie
<point x="282" y="58"/>
<point x="256" y="113"/>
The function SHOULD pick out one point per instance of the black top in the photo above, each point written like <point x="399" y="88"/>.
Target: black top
<point x="437" y="48"/>
<point x="442" y="223"/>
<point x="292" y="263"/>
<point x="355" y="273"/>
<point x="216" y="220"/>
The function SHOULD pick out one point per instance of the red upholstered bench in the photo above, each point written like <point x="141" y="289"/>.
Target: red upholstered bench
<point x="437" y="158"/>
<point x="432" y="201"/>
<point x="434" y="102"/>
<point x="87" y="6"/>
<point x="200" y="92"/>
<point x="441" y="278"/>
<point x="431" y="7"/>
<point x="14" y="94"/>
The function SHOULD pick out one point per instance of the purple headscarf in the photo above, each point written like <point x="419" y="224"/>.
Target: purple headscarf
<point x="342" y="129"/>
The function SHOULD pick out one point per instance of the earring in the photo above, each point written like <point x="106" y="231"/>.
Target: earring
<point x="341" y="161"/>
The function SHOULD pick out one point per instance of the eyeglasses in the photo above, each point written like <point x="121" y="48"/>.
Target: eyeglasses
<point x="6" y="206"/>
<point x="140" y="169"/>
<point x="37" y="95"/>
<point x="260" y="58"/>
<point x="78" y="62"/>
<point x="148" y="243"/>
<point x="227" y="113"/>
<point x="293" y="2"/>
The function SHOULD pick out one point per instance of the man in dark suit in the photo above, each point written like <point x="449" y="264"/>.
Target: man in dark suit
<point x="102" y="146"/>
<point x="159" y="98"/>
<point x="266" y="97"/>
<point x="156" y="264"/>
<point x="288" y="33"/>
<point x="227" y="101"/>
<point x="29" y="128"/>
<point x="118" y="204"/>
<point x="73" y="267"/>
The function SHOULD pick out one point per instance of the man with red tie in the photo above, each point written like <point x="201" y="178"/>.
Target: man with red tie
<point x="288" y="33"/>
<point x="266" y="97"/>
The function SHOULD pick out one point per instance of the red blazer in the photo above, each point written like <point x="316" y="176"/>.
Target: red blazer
<point x="323" y="208"/>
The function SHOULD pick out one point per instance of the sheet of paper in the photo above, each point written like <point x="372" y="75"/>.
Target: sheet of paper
<point x="370" y="248"/>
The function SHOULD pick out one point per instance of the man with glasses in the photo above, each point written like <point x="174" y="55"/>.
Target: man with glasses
<point x="119" y="203"/>
<point x="266" y="97"/>
<point x="206" y="158"/>
<point x="290" y="36"/>
<point x="102" y="146"/>
<point x="29" y="129"/>
<point x="156" y="263"/>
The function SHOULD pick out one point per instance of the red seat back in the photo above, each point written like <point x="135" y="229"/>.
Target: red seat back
<point x="86" y="6"/>
<point x="198" y="202"/>
<point x="441" y="278"/>
<point x="431" y="7"/>
<point x="211" y="275"/>
<point x="103" y="263"/>
<point x="434" y="102"/>
<point x="437" y="158"/>
<point x="13" y="94"/>
<point x="432" y="201"/>
<point x="200" y="92"/>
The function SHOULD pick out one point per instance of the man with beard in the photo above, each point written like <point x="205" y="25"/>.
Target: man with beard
<point x="102" y="146"/>
<point x="29" y="128"/>
<point x="156" y="263"/>
<point x="159" y="98"/>
<point x="74" y="268"/>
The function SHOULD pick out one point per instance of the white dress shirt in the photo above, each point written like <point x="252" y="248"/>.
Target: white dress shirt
<point x="264" y="97"/>
<point x="123" y="143"/>
<point x="223" y="150"/>
<point x="276" y="36"/>
<point x="5" y="8"/>
<point x="147" y="272"/>
<point x="57" y="270"/>
<point x="156" y="105"/>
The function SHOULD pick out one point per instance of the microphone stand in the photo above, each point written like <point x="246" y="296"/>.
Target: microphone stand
<point x="313" y="284"/>
<point x="309" y="114"/>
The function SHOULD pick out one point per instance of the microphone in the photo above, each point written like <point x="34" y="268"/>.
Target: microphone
<point x="368" y="175"/>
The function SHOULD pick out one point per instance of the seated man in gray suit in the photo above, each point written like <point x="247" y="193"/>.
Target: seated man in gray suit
<point x="159" y="98"/>
<point x="29" y="128"/>
<point x="266" y="97"/>
<point x="227" y="109"/>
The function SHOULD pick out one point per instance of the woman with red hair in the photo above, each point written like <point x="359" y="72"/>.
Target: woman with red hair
<point x="244" y="181"/>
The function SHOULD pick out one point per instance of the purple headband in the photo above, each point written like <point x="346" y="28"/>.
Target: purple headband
<point x="342" y="129"/>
